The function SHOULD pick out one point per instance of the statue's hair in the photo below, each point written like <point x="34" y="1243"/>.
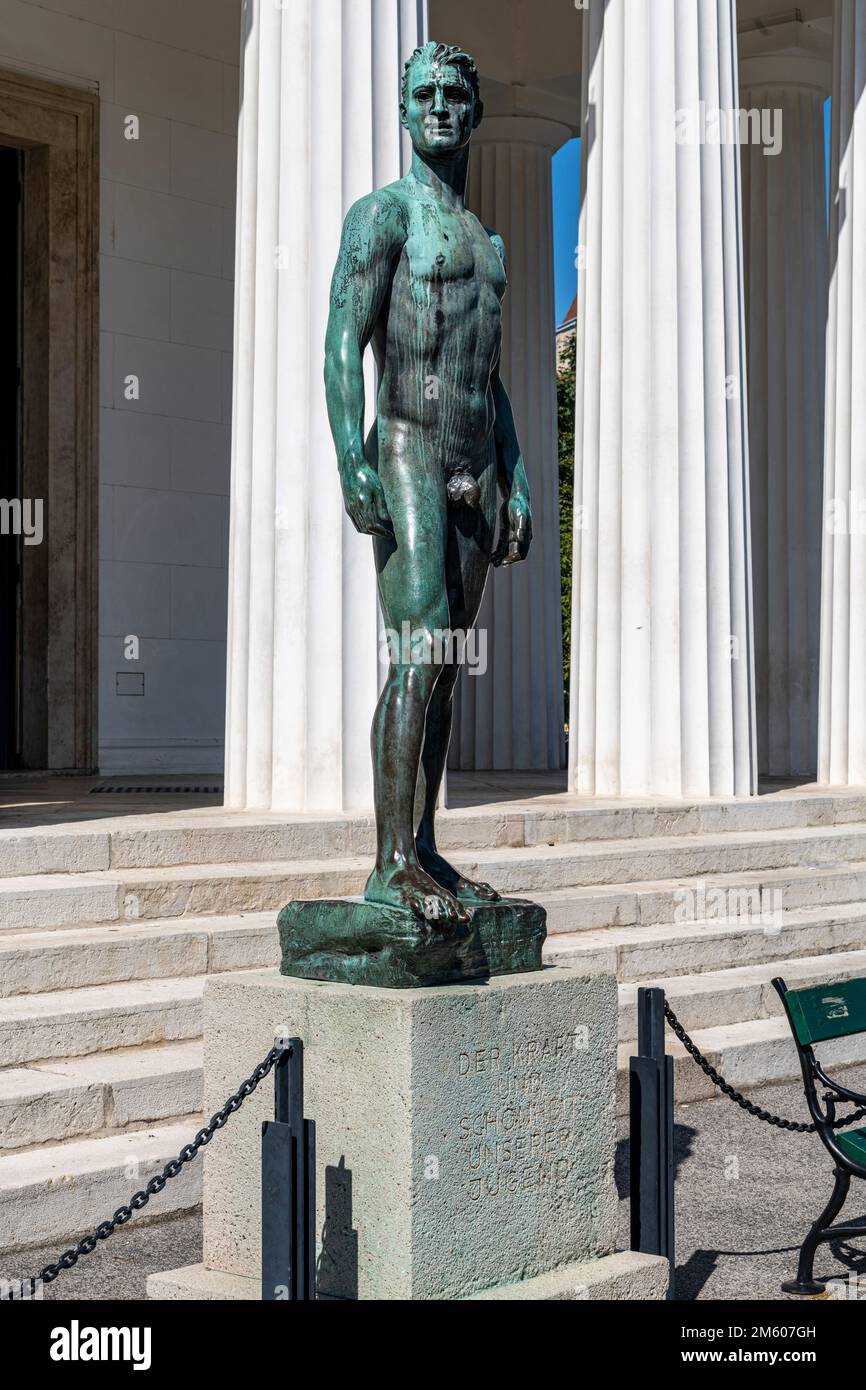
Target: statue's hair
<point x="449" y="55"/>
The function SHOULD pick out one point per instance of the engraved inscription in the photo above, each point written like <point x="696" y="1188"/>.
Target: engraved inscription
<point x="524" y="1137"/>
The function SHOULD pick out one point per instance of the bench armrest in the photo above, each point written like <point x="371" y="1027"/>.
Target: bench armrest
<point x="857" y="1097"/>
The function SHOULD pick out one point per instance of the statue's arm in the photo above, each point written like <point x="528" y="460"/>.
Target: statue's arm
<point x="509" y="457"/>
<point x="515" y="530"/>
<point x="373" y="236"/>
<point x="515" y="526"/>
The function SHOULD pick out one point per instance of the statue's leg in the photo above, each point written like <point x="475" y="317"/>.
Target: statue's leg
<point x="412" y="588"/>
<point x="471" y="536"/>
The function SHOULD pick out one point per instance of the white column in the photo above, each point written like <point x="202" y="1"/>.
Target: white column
<point x="319" y="128"/>
<point x="662" y="652"/>
<point x="785" y="236"/>
<point x="512" y="716"/>
<point x="842" y="698"/>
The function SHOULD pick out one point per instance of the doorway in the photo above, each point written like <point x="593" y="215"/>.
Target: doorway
<point x="10" y="456"/>
<point x="48" y="425"/>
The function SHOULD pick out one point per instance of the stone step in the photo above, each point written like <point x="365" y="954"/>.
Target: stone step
<point x="78" y="1022"/>
<point x="37" y="1030"/>
<point x="607" y="863"/>
<point x="755" y="895"/>
<point x="50" y="901"/>
<point x="649" y="869"/>
<point x="168" y="839"/>
<point x="53" y="1101"/>
<point x="38" y="962"/>
<point x="759" y="1052"/>
<point x="687" y="948"/>
<point x="720" y="997"/>
<point x="65" y="1190"/>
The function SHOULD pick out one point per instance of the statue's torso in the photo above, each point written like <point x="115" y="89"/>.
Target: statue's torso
<point x="439" y="335"/>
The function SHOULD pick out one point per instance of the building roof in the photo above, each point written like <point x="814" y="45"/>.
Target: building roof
<point x="570" y="317"/>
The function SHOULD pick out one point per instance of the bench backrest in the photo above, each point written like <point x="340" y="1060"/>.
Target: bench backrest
<point x="828" y="1011"/>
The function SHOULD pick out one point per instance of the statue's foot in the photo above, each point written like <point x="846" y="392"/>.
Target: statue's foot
<point x="466" y="890"/>
<point x="408" y="886"/>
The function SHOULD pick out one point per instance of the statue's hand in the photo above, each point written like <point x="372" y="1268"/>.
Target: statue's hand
<point x="364" y="497"/>
<point x="515" y="531"/>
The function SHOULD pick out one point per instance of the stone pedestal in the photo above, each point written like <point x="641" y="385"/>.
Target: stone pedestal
<point x="465" y="1138"/>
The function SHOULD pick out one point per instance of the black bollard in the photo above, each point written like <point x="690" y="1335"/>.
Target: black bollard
<point x="289" y="1185"/>
<point x="651" y="1134"/>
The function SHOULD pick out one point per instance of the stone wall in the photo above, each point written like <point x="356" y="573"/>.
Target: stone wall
<point x="167" y="79"/>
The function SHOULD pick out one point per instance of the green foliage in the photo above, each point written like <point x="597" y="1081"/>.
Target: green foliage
<point x="565" y="384"/>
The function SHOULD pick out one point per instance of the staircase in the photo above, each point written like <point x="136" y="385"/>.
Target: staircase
<point x="109" y="929"/>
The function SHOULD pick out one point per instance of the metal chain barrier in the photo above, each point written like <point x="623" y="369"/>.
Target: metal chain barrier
<point x="88" y="1243"/>
<point x="738" y="1097"/>
<point x="140" y="1199"/>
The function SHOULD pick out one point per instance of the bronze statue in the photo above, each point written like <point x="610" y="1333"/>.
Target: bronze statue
<point x="420" y="280"/>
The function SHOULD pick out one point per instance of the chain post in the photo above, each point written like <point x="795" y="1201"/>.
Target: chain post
<point x="651" y="1132"/>
<point x="288" y="1184"/>
<point x="86" y="1246"/>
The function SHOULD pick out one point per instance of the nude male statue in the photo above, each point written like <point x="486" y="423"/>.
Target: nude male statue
<point x="421" y="280"/>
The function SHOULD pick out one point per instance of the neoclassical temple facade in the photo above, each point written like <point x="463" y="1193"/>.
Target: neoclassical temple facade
<point x="303" y="676"/>
<point x="719" y="626"/>
<point x="716" y="623"/>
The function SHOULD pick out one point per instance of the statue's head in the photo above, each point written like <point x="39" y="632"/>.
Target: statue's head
<point x="441" y="103"/>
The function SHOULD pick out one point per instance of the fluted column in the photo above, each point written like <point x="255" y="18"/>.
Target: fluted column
<point x="662" y="649"/>
<point x="512" y="716"/>
<point x="785" y="236"/>
<point x="319" y="128"/>
<point x="842" y="697"/>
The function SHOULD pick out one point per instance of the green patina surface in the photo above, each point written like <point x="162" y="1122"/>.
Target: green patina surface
<point x="349" y="941"/>
<point x="420" y="282"/>
<point x="439" y="484"/>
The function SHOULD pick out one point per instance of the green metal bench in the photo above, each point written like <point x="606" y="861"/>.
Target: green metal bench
<point x="815" y="1015"/>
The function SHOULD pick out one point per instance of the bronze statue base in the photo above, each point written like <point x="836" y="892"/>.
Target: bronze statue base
<point x="353" y="942"/>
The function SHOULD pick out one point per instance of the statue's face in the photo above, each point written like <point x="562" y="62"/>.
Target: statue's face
<point x="440" y="111"/>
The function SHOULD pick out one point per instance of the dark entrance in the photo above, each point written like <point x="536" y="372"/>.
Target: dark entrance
<point x="11" y="490"/>
<point x="49" y="220"/>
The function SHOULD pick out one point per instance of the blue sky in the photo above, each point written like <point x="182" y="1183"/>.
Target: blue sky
<point x="827" y="147"/>
<point x="566" y="209"/>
